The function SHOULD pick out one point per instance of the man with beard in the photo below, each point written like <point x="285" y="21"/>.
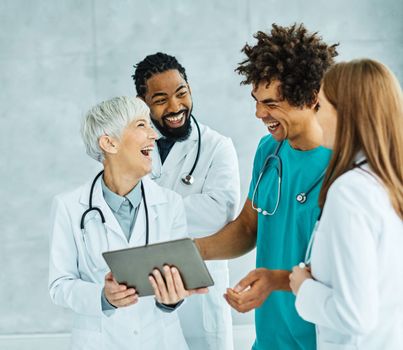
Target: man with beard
<point x="202" y="166"/>
<point x="285" y="69"/>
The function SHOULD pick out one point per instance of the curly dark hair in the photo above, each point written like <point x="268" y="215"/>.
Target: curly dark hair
<point x="293" y="56"/>
<point x="154" y="64"/>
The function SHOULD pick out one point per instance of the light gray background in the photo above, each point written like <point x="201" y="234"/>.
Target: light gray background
<point x="58" y="58"/>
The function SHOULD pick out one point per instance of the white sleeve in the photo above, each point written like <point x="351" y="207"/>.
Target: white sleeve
<point x="65" y="286"/>
<point x="350" y="303"/>
<point x="218" y="203"/>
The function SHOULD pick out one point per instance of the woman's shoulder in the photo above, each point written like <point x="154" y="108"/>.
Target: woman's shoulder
<point x="359" y="186"/>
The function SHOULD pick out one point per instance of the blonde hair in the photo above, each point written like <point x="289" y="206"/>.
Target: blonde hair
<point x="369" y="104"/>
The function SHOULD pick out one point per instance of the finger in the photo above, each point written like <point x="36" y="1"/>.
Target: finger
<point x="169" y="282"/>
<point x="111" y="287"/>
<point x="179" y="287"/>
<point x="241" y="307"/>
<point x="109" y="276"/>
<point x="244" y="297"/>
<point x="115" y="297"/>
<point x="130" y="300"/>
<point x="199" y="291"/>
<point x="245" y="282"/>
<point x="231" y="302"/>
<point x="161" y="284"/>
<point x="155" y="287"/>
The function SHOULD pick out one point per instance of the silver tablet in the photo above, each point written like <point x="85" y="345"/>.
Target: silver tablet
<point x="132" y="266"/>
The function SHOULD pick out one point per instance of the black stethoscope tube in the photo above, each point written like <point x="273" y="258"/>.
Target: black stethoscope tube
<point x="189" y="179"/>
<point x="91" y="208"/>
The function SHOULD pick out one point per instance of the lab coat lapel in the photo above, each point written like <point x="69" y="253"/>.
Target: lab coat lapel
<point x="98" y="201"/>
<point x="138" y="236"/>
<point x="176" y="154"/>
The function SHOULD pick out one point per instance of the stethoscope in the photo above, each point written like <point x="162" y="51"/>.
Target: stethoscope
<point x="300" y="198"/>
<point x="308" y="253"/>
<point x="189" y="179"/>
<point x="99" y="211"/>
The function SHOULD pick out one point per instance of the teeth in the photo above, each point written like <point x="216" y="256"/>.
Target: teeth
<point x="148" y="149"/>
<point x="272" y="125"/>
<point x="175" y="119"/>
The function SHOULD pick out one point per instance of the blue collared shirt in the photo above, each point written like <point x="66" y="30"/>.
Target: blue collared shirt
<point x="125" y="208"/>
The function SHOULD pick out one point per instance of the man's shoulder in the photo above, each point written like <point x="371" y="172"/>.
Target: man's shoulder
<point x="212" y="135"/>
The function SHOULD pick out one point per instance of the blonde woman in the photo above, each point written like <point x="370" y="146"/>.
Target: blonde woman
<point x="353" y="288"/>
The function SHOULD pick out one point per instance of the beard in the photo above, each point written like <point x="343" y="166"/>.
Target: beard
<point x="176" y="134"/>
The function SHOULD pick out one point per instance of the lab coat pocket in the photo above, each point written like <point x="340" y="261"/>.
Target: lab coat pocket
<point x="216" y="313"/>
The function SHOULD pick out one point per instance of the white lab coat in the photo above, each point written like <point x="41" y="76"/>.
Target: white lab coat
<point x="75" y="283"/>
<point x="357" y="298"/>
<point x="210" y="202"/>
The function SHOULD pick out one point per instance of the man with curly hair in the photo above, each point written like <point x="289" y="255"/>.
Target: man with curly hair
<point x="285" y="69"/>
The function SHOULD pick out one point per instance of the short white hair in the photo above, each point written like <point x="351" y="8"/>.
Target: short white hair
<point x="110" y="118"/>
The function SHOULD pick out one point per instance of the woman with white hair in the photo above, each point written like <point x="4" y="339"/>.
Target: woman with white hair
<point x="113" y="212"/>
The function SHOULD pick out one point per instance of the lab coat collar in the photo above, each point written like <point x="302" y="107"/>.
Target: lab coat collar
<point x="359" y="157"/>
<point x="153" y="198"/>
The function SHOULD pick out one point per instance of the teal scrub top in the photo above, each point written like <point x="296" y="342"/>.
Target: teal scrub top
<point x="282" y="239"/>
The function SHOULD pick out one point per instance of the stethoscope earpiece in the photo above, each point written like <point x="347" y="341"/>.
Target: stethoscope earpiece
<point x="188" y="179"/>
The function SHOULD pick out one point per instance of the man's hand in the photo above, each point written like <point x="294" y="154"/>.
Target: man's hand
<point x="117" y="294"/>
<point x="298" y="276"/>
<point x="254" y="289"/>
<point x="172" y="291"/>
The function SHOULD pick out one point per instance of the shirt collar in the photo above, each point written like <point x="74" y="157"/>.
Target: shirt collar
<point x="115" y="201"/>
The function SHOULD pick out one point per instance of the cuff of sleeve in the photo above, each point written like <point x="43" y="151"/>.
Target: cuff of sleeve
<point x="168" y="308"/>
<point x="107" y="308"/>
<point x="311" y="298"/>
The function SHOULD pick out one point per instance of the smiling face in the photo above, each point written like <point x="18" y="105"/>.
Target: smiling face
<point x="168" y="96"/>
<point x="282" y="120"/>
<point x="135" y="146"/>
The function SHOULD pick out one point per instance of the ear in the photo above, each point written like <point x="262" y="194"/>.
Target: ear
<point x="315" y="103"/>
<point x="108" y="144"/>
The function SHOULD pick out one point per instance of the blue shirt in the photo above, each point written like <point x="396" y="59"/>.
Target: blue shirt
<point x="125" y="208"/>
<point x="282" y="239"/>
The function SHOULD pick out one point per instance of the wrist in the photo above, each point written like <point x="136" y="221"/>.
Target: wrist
<point x="281" y="280"/>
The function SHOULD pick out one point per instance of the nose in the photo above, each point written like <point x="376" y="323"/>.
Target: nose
<point x="152" y="133"/>
<point x="260" y="111"/>
<point x="173" y="105"/>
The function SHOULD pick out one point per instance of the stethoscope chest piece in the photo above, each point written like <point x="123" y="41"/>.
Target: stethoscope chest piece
<point x="188" y="179"/>
<point x="301" y="197"/>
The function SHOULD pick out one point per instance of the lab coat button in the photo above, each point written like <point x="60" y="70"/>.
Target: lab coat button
<point x="135" y="332"/>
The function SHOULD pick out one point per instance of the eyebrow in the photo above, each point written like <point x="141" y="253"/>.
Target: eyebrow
<point x="180" y="87"/>
<point x="267" y="100"/>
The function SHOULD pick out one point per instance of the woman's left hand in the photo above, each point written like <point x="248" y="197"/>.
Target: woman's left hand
<point x="298" y="276"/>
<point x="171" y="291"/>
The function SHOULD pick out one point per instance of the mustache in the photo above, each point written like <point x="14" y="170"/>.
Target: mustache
<point x="185" y="110"/>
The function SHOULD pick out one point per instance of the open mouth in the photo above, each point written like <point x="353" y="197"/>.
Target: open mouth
<point x="272" y="126"/>
<point x="177" y="120"/>
<point x="146" y="151"/>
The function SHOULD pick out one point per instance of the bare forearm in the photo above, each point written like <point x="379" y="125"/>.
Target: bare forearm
<point x="281" y="280"/>
<point x="235" y="239"/>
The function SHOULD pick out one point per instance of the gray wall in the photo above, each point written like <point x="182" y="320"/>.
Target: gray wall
<point x="57" y="58"/>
